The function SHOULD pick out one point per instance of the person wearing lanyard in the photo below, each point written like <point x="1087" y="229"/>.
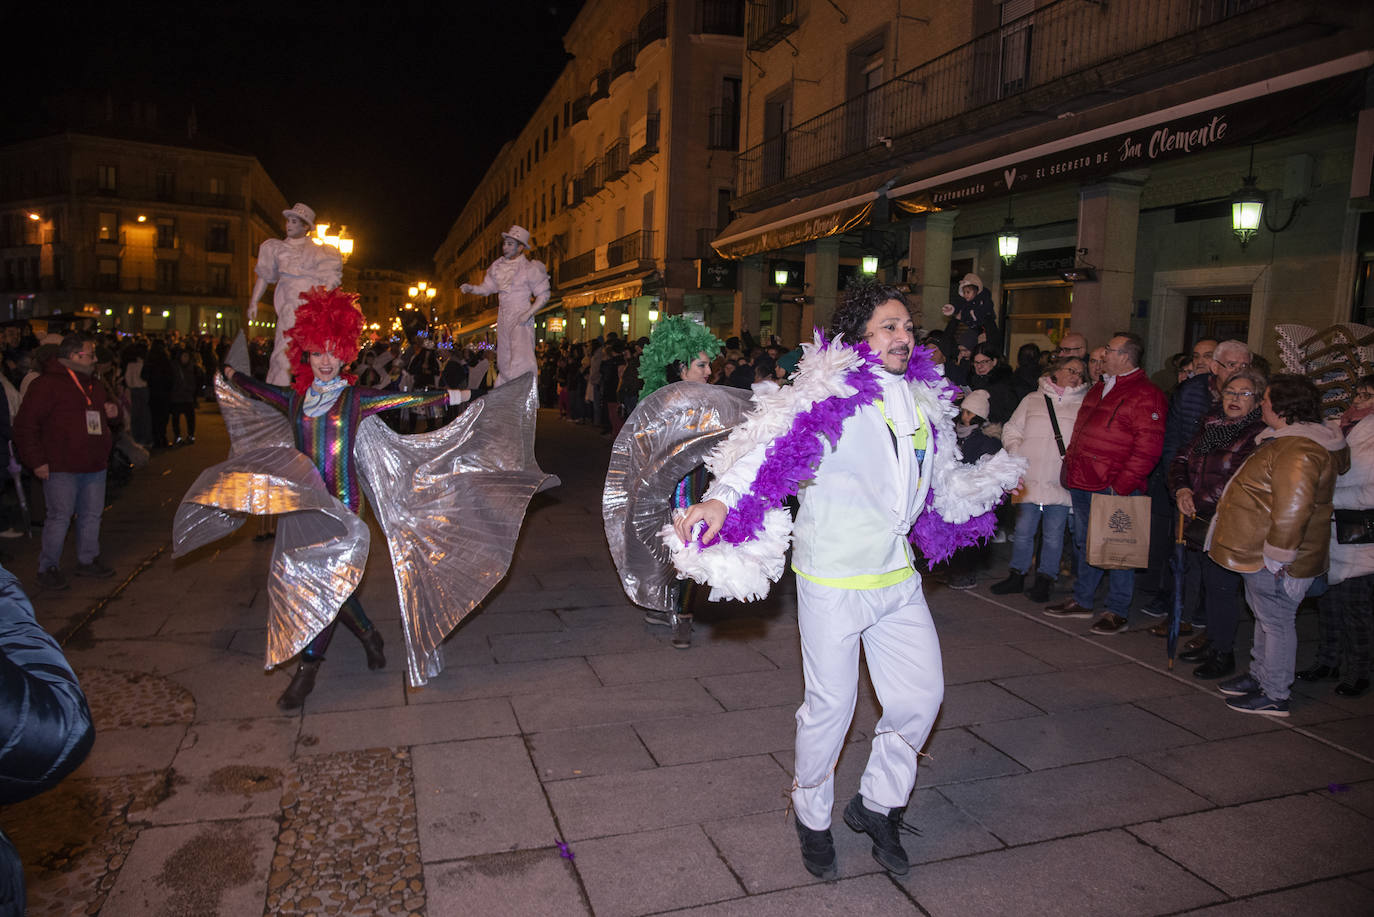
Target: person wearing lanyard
<point x="62" y="433"/>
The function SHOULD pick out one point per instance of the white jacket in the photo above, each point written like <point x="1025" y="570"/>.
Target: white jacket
<point x="1354" y="490"/>
<point x="1029" y="434"/>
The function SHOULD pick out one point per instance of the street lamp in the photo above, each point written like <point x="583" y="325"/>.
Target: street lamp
<point x="423" y="293"/>
<point x="342" y="241"/>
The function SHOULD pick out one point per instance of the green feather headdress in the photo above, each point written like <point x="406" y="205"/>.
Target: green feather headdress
<point x="675" y="339"/>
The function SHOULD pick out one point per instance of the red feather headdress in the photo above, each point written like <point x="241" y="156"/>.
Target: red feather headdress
<point x="325" y="320"/>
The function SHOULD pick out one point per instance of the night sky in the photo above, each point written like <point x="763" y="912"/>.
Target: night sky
<point x="385" y="122"/>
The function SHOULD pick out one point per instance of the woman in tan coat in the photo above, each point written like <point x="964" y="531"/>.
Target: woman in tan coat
<point x="1273" y="526"/>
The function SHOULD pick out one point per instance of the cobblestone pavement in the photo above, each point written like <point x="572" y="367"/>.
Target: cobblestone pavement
<point x="569" y="761"/>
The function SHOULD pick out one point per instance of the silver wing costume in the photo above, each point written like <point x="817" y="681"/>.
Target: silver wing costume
<point x="450" y="504"/>
<point x="669" y="434"/>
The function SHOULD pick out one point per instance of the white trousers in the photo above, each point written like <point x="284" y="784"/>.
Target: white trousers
<point x="903" y="655"/>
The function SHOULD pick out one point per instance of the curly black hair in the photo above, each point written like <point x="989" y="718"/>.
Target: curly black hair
<point x="1295" y="398"/>
<point x="860" y="299"/>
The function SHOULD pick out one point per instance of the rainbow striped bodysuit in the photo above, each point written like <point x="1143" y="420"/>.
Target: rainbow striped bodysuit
<point x="328" y="439"/>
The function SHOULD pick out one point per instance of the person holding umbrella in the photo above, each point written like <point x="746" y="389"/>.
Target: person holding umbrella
<point x="1197" y="477"/>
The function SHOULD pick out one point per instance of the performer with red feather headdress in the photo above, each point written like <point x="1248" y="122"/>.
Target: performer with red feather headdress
<point x="325" y="409"/>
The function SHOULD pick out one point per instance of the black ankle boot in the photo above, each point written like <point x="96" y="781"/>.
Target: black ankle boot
<point x="1039" y="591"/>
<point x="302" y="683"/>
<point x="1218" y="665"/>
<point x="1013" y="584"/>
<point x="372" y="645"/>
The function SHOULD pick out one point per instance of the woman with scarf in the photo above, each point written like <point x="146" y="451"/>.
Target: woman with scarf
<point x="1197" y="476"/>
<point x="325" y="409"/>
<point x="1273" y="526"/>
<point x="1346" y="609"/>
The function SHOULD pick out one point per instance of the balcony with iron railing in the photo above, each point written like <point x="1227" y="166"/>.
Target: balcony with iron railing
<point x="630" y="250"/>
<point x="600" y="88"/>
<point x="623" y="58"/>
<point x="653" y="25"/>
<point x="579" y="108"/>
<point x="770" y="21"/>
<point x="591" y="178"/>
<point x="1039" y="53"/>
<point x="649" y="146"/>
<point x="575" y="267"/>
<point x="636" y="246"/>
<point x="723" y="130"/>
<point x="720" y="17"/>
<point x="617" y="160"/>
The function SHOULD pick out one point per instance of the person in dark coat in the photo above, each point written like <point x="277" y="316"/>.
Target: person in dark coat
<point x="157" y="372"/>
<point x="47" y="722"/>
<point x="991" y="375"/>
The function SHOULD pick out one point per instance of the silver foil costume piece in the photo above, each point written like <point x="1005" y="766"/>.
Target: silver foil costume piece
<point x="450" y="504"/>
<point x="670" y="433"/>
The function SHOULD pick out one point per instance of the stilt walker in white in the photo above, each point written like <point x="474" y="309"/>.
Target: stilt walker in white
<point x="522" y="286"/>
<point x="864" y="436"/>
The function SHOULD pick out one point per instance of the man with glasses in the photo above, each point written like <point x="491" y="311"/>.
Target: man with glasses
<point x="62" y="432"/>
<point x="1116" y="441"/>
<point x="1193" y="402"/>
<point x="1072" y="344"/>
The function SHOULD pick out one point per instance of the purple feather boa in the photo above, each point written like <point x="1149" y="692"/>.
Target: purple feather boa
<point x="794" y="456"/>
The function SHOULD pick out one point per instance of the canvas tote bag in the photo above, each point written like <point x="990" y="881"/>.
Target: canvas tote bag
<point x="1119" y="532"/>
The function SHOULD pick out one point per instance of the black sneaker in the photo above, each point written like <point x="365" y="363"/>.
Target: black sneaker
<point x="95" y="569"/>
<point x="884" y="830"/>
<point x="818" y="851"/>
<point x="52" y="578"/>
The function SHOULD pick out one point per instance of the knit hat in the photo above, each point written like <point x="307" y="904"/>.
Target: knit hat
<point x="977" y="402"/>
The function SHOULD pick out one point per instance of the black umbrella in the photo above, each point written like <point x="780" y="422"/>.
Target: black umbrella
<point x="1176" y="618"/>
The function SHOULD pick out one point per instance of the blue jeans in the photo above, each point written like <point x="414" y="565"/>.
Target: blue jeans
<point x="1274" y="601"/>
<point x="66" y="494"/>
<point x="1120" y="583"/>
<point x="1028" y="517"/>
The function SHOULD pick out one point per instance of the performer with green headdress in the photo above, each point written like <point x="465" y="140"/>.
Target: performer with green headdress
<point x="675" y="364"/>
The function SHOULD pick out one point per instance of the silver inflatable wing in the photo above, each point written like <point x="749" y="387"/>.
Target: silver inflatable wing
<point x="669" y="434"/>
<point x="321" y="546"/>
<point x="451" y="503"/>
<point x="251" y="423"/>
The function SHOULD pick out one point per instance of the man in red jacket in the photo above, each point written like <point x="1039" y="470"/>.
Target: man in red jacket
<point x="62" y="432"/>
<point x="1116" y="442"/>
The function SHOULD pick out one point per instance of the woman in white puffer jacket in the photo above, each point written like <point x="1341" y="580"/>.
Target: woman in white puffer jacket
<point x="1030" y="434"/>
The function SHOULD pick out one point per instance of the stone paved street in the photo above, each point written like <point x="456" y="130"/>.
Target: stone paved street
<point x="569" y="761"/>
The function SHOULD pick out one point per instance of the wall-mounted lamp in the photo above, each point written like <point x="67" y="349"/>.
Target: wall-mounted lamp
<point x="780" y="276"/>
<point x="653" y="315"/>
<point x="870" y="264"/>
<point x="1008" y="240"/>
<point x="1247" y="208"/>
<point x="1081" y="272"/>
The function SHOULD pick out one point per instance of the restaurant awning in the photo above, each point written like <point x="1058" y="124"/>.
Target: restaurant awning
<point x="618" y="291"/>
<point x="826" y="213"/>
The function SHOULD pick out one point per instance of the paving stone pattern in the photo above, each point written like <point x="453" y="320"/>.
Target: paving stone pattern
<point x="570" y="761"/>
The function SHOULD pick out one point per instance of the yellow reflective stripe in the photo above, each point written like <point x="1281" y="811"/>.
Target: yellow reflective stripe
<point x="920" y="438"/>
<point x="863" y="581"/>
